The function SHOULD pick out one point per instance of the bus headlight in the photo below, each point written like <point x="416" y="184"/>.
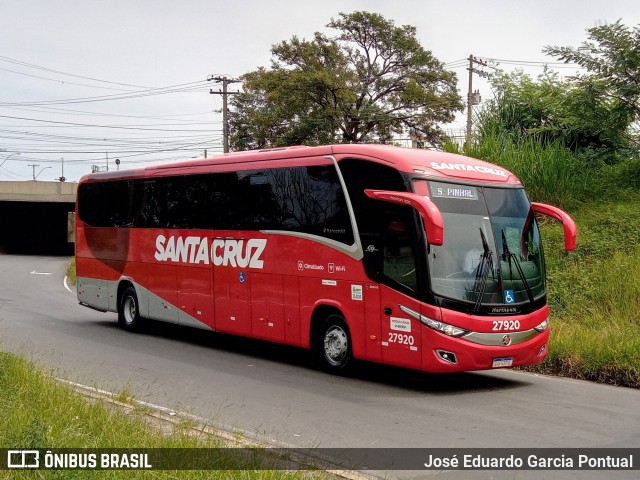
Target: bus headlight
<point x="543" y="326"/>
<point x="450" y="330"/>
<point x="445" y="328"/>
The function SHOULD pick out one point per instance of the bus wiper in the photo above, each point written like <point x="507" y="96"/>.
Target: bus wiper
<point x="486" y="265"/>
<point x="506" y="254"/>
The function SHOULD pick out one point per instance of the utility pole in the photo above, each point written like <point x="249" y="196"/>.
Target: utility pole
<point x="34" y="165"/>
<point x="225" y="122"/>
<point x="473" y="98"/>
<point x="62" y="177"/>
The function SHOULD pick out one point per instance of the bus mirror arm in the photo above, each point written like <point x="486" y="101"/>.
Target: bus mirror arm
<point x="433" y="222"/>
<point x="569" y="226"/>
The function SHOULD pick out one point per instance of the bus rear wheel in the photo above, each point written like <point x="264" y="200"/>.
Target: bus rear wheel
<point x="129" y="310"/>
<point x="332" y="345"/>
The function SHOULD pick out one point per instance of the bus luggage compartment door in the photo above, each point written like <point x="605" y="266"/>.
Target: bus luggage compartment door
<point x="232" y="307"/>
<point x="267" y="307"/>
<point x="194" y="296"/>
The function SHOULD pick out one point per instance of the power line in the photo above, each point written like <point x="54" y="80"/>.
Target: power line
<point x="456" y="63"/>
<point x="121" y="152"/>
<point x="534" y="63"/>
<point x="98" y="126"/>
<point x="67" y="111"/>
<point x="146" y="139"/>
<point x="63" y="81"/>
<point x="180" y="88"/>
<point x="37" y="67"/>
<point x="525" y="63"/>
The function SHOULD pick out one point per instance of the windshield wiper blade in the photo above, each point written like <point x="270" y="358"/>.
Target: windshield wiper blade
<point x="486" y="265"/>
<point x="511" y="256"/>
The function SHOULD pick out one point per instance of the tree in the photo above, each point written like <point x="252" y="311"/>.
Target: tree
<point x="550" y="110"/>
<point x="369" y="82"/>
<point x="593" y="113"/>
<point x="523" y="106"/>
<point x="612" y="60"/>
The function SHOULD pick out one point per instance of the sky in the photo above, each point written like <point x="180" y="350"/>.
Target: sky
<point x="86" y="82"/>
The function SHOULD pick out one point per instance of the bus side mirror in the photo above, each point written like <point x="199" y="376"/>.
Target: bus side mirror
<point x="430" y="214"/>
<point x="569" y="226"/>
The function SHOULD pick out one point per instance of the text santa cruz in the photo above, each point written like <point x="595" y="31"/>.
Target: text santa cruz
<point x="464" y="167"/>
<point x="222" y="251"/>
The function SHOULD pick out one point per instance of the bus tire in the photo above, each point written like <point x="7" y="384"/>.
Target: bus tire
<point x="129" y="310"/>
<point x="332" y="345"/>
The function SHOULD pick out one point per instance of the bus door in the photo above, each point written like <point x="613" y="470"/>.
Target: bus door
<point x="400" y="334"/>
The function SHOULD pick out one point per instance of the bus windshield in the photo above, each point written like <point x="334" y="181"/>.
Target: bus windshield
<point x="492" y="253"/>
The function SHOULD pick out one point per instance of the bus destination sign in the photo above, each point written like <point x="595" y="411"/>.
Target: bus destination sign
<point x="449" y="190"/>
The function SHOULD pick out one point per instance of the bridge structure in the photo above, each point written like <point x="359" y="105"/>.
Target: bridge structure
<point x="37" y="217"/>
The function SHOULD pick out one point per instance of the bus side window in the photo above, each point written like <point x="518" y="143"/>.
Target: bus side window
<point x="399" y="260"/>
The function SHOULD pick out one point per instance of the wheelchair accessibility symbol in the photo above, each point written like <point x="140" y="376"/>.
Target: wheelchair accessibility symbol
<point x="508" y="296"/>
<point x="242" y="277"/>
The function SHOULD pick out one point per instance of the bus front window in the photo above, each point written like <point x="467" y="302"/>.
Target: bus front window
<point x="491" y="253"/>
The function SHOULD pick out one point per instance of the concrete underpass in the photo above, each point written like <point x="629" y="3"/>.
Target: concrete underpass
<point x="37" y="217"/>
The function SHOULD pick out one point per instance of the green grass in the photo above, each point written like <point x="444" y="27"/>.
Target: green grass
<point x="594" y="294"/>
<point x="36" y="412"/>
<point x="550" y="173"/>
<point x="71" y="272"/>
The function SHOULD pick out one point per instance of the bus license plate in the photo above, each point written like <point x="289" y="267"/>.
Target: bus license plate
<point x="502" y="362"/>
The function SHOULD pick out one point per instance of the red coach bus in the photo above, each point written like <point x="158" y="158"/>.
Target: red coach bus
<point x="407" y="257"/>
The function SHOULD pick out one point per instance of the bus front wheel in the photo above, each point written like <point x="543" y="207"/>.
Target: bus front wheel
<point x="332" y="346"/>
<point x="129" y="310"/>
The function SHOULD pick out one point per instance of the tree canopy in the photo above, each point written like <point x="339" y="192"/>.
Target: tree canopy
<point x="592" y="113"/>
<point x="612" y="60"/>
<point x="368" y="82"/>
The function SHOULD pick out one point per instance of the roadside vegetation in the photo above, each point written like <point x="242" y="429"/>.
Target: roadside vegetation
<point x="39" y="413"/>
<point x="71" y="272"/>
<point x="594" y="294"/>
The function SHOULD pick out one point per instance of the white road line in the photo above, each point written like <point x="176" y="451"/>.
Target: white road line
<point x="66" y="285"/>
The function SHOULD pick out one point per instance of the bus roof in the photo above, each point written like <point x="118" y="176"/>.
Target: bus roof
<point x="421" y="162"/>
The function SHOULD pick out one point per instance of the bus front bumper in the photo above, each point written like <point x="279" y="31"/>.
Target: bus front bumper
<point x="442" y="353"/>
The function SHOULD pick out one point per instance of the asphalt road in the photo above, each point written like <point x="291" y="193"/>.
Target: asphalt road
<point x="272" y="392"/>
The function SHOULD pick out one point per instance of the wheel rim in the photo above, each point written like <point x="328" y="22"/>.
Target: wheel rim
<point x="336" y="345"/>
<point x="129" y="310"/>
